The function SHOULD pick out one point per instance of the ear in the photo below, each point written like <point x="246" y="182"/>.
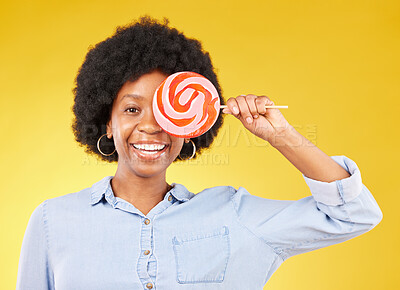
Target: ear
<point x="109" y="129"/>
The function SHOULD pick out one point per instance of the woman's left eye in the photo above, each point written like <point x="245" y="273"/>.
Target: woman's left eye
<point x="131" y="109"/>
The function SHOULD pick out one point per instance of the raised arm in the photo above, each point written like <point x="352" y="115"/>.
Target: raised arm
<point x="270" y="125"/>
<point x="341" y="206"/>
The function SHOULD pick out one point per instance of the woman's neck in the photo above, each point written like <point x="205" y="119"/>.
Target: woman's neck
<point x="142" y="192"/>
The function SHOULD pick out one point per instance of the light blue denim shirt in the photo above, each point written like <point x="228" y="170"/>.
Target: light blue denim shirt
<point x="219" y="238"/>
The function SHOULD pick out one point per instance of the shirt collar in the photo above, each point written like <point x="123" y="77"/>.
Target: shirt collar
<point x="99" y="189"/>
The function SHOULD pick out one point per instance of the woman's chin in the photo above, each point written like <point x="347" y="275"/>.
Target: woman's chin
<point x="147" y="168"/>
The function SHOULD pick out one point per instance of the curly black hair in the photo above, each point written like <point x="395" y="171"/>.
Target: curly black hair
<point x="135" y="49"/>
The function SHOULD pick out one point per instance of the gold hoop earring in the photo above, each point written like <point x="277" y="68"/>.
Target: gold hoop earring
<point x="194" y="151"/>
<point x="98" y="146"/>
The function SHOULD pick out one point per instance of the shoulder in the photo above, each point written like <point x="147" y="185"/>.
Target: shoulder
<point x="82" y="198"/>
<point x="222" y="191"/>
<point x="246" y="203"/>
<point x="68" y="203"/>
<point x="74" y="198"/>
<point x="59" y="209"/>
<point x="228" y="193"/>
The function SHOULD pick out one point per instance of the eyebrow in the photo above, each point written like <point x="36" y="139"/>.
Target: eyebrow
<point x="135" y="96"/>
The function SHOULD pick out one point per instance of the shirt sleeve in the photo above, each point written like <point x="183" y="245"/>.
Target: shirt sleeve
<point x="33" y="268"/>
<point x="335" y="212"/>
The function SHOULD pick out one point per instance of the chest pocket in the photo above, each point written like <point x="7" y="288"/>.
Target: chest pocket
<point x="202" y="257"/>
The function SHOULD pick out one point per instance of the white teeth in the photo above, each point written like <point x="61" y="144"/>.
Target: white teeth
<point x="149" y="147"/>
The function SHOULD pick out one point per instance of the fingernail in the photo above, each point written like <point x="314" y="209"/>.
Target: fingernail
<point x="249" y="120"/>
<point x="255" y="116"/>
<point x="235" y="110"/>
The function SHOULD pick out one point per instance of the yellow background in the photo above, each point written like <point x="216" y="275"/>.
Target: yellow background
<point x="335" y="64"/>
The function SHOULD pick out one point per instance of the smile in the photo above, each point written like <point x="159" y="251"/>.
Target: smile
<point x="149" y="151"/>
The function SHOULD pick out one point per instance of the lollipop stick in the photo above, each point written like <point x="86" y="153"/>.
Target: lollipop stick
<point x="271" y="107"/>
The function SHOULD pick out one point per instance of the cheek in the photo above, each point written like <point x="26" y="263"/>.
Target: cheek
<point x="122" y="132"/>
<point x="176" y="146"/>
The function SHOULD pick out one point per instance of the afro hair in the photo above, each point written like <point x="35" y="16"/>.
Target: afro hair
<point x="134" y="50"/>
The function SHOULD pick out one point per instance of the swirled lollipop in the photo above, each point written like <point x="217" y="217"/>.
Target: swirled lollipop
<point x="186" y="104"/>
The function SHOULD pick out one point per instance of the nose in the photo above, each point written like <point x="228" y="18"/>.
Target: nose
<point x="148" y="123"/>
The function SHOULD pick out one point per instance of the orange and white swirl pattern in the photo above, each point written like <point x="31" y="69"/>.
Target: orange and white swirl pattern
<point x="186" y="104"/>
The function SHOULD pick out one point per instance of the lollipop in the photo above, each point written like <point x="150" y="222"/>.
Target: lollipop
<point x="186" y="104"/>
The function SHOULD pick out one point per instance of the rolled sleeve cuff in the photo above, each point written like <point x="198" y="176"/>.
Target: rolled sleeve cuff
<point x="341" y="191"/>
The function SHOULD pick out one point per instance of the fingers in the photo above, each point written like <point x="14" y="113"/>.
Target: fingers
<point x="244" y="107"/>
<point x="251" y="102"/>
<point x="261" y="102"/>
<point x="247" y="107"/>
<point x="233" y="106"/>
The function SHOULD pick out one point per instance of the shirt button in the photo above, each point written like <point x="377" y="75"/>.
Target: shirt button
<point x="170" y="198"/>
<point x="146" y="252"/>
<point x="146" y="221"/>
<point x="149" y="285"/>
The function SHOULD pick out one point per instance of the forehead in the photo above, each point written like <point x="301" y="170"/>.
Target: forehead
<point x="142" y="88"/>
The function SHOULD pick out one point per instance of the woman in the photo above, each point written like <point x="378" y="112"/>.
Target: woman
<point x="135" y="231"/>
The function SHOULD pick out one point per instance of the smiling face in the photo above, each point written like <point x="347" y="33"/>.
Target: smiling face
<point x="143" y="147"/>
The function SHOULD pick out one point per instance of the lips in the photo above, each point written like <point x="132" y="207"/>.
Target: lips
<point x="148" y="154"/>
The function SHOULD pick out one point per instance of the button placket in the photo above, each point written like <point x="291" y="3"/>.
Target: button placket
<point x="145" y="243"/>
<point x="147" y="263"/>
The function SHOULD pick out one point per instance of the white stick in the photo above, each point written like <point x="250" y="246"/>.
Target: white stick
<point x="271" y="107"/>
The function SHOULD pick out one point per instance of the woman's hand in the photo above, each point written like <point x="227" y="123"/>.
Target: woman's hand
<point x="265" y="123"/>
